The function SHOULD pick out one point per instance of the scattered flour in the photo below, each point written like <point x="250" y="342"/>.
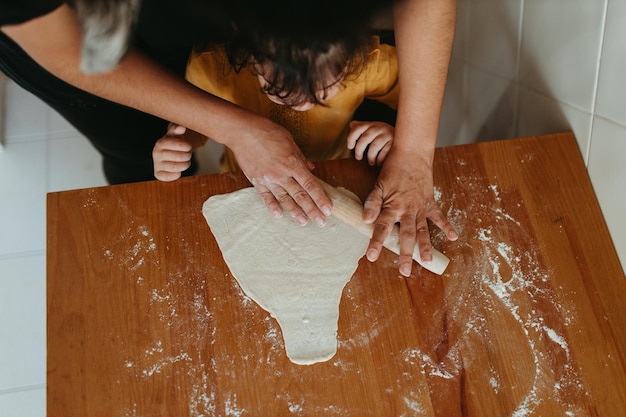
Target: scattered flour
<point x="414" y="406"/>
<point x="500" y="277"/>
<point x="130" y="411"/>
<point x="519" y="282"/>
<point x="494" y="384"/>
<point x="295" y="408"/>
<point x="157" y="367"/>
<point x="139" y="243"/>
<point x="202" y="402"/>
<point x="231" y="408"/>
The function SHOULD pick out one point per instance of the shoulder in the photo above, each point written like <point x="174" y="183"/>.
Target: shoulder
<point x="14" y="12"/>
<point x="380" y="52"/>
<point x="381" y="59"/>
<point x="210" y="55"/>
<point x="208" y="62"/>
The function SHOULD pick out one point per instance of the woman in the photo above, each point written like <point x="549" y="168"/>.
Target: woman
<point x="40" y="48"/>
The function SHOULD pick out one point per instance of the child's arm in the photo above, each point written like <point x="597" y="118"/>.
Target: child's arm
<point x="372" y="139"/>
<point x="172" y="153"/>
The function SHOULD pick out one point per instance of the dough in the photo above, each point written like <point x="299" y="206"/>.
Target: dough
<point x="296" y="273"/>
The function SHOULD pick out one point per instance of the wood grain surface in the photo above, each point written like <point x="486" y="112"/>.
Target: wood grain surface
<point x="529" y="319"/>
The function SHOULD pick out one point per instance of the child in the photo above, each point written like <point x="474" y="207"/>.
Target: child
<point x="317" y="109"/>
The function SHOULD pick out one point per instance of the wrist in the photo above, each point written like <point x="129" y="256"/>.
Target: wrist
<point x="414" y="154"/>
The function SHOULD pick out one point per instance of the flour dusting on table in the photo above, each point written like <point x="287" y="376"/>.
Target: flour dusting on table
<point x="139" y="244"/>
<point x="497" y="276"/>
<point x="490" y="277"/>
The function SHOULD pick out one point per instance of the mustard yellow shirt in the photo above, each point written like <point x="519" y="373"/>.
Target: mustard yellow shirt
<point x="320" y="132"/>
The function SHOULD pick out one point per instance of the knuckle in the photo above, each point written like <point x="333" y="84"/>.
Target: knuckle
<point x="283" y="198"/>
<point x="381" y="231"/>
<point x="311" y="184"/>
<point x="407" y="233"/>
<point x="405" y="258"/>
<point x="422" y="229"/>
<point x="301" y="197"/>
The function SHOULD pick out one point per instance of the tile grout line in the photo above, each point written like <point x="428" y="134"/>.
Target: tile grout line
<point x="518" y="58"/>
<point x="465" y="75"/>
<point x="23" y="254"/>
<point x="3" y="114"/>
<point x="596" y="83"/>
<point x="48" y="151"/>
<point x="22" y="389"/>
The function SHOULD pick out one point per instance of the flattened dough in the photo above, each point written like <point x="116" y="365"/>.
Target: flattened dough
<point x="296" y="273"/>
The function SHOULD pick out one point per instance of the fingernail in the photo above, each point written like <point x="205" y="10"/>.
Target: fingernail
<point x="367" y="218"/>
<point x="405" y="270"/>
<point x="302" y="220"/>
<point x="372" y="255"/>
<point x="427" y="257"/>
<point x="327" y="210"/>
<point x="320" y="221"/>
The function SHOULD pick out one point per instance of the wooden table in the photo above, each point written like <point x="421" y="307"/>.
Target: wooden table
<point x="144" y="318"/>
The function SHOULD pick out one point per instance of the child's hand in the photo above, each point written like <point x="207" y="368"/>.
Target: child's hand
<point x="172" y="154"/>
<point x="372" y="137"/>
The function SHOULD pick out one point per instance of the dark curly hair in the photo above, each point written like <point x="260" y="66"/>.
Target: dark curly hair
<point x="309" y="43"/>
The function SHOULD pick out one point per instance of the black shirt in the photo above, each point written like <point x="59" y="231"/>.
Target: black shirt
<point x="20" y="11"/>
<point x="166" y="30"/>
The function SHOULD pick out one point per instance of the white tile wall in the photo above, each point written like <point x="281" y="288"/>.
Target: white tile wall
<point x="493" y="36"/>
<point x="561" y="48"/>
<point x="68" y="156"/>
<point x="24" y="170"/>
<point x="564" y="62"/>
<point x="23" y="312"/>
<point x="606" y="167"/>
<point x="611" y="100"/>
<point x="29" y="402"/>
<point x="27" y="118"/>
<point x="495" y="117"/>
<point x="608" y="136"/>
<point x="451" y="128"/>
<point x="22" y="205"/>
<point x="540" y="114"/>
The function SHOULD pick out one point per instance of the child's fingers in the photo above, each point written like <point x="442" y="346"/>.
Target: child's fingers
<point x="362" y="144"/>
<point x="174" y="129"/>
<point x="173" y="144"/>
<point x="172" y="166"/>
<point x="170" y="170"/>
<point x="172" y="155"/>
<point x="379" y="157"/>
<point x="375" y="145"/>
<point x="167" y="176"/>
<point x="166" y="159"/>
<point x="356" y="130"/>
<point x="359" y="149"/>
<point x="371" y="140"/>
<point x="168" y="155"/>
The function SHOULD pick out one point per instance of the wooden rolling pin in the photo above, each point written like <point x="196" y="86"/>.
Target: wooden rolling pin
<point x="348" y="208"/>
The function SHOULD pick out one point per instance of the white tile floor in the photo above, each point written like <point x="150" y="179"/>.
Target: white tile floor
<point x="42" y="153"/>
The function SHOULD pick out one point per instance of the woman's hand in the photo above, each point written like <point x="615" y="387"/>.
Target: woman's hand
<point x="281" y="174"/>
<point x="404" y="193"/>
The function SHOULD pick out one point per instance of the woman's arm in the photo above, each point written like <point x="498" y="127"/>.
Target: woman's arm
<point x="266" y="152"/>
<point x="404" y="192"/>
